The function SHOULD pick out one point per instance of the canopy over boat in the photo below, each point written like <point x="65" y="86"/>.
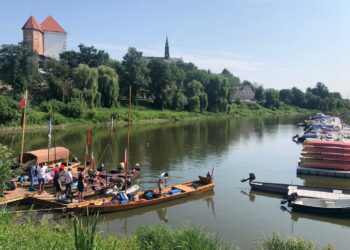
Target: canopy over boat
<point x="46" y="155"/>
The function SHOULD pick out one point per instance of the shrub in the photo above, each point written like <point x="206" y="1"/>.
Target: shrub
<point x="74" y="109"/>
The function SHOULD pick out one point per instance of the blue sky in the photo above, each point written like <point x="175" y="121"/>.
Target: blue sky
<point x="277" y="43"/>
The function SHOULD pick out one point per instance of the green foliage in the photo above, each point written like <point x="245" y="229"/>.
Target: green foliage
<point x="162" y="238"/>
<point x="86" y="84"/>
<point x="217" y="91"/>
<point x="271" y="98"/>
<point x="85" y="236"/>
<point x="74" y="109"/>
<point x="19" y="66"/>
<point x="108" y="86"/>
<point x="86" y="55"/>
<point x="6" y="161"/>
<point x="137" y="73"/>
<point x="8" y="110"/>
<point x="276" y="242"/>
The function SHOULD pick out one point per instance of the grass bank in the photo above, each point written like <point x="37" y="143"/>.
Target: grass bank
<point x="83" y="235"/>
<point x="37" y="119"/>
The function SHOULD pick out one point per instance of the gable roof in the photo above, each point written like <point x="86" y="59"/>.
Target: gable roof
<point x="31" y="24"/>
<point x="50" y="24"/>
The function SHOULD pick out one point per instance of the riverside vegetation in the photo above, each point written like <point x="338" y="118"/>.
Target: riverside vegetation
<point x="87" y="85"/>
<point x="82" y="233"/>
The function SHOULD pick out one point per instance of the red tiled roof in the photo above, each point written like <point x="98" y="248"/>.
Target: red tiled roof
<point x="50" y="24"/>
<point x="31" y="24"/>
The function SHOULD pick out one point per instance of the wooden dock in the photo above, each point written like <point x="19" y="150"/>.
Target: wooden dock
<point x="323" y="172"/>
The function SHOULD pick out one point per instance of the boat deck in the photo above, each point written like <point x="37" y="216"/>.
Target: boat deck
<point x="335" y="195"/>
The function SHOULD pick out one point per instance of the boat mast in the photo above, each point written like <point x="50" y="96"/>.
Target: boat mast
<point x="128" y="147"/>
<point x="23" y="125"/>
<point x="54" y="134"/>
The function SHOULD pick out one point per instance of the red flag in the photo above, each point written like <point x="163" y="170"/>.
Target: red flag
<point x="23" y="102"/>
<point x="88" y="136"/>
<point x="92" y="161"/>
<point x="126" y="158"/>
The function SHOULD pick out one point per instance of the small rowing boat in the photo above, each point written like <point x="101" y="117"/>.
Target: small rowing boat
<point x="302" y="191"/>
<point x="147" y="198"/>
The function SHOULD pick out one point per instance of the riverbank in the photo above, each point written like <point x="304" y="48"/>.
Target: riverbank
<point x="82" y="233"/>
<point x="141" y="115"/>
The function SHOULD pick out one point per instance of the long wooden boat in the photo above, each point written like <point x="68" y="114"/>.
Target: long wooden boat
<point x="336" y="144"/>
<point x="302" y="191"/>
<point x="109" y="204"/>
<point x="323" y="164"/>
<point x="316" y="149"/>
<point x="321" y="206"/>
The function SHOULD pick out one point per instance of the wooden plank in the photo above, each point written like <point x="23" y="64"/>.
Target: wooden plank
<point x="184" y="188"/>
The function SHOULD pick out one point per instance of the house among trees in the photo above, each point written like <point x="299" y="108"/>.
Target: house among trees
<point x="48" y="39"/>
<point x="244" y="92"/>
<point x="166" y="57"/>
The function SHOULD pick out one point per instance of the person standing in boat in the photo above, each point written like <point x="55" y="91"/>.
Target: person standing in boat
<point x="81" y="184"/>
<point x="32" y="175"/>
<point x="162" y="179"/>
<point x="58" y="183"/>
<point x="41" y="177"/>
<point x="68" y="180"/>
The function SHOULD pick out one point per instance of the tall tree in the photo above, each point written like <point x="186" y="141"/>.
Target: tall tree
<point x="7" y="160"/>
<point x="108" y="86"/>
<point x="217" y="91"/>
<point x="137" y="73"/>
<point x="19" y="66"/>
<point x="271" y="98"/>
<point x="86" y="81"/>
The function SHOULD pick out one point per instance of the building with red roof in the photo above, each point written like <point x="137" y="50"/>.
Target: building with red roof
<point x="47" y="39"/>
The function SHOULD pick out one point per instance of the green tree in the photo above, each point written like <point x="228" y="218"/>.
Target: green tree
<point x="86" y="55"/>
<point x="108" y="86"/>
<point x="286" y="96"/>
<point x="19" y="66"/>
<point x="6" y="161"/>
<point x="137" y="73"/>
<point x="161" y="85"/>
<point x="58" y="79"/>
<point x="86" y="84"/>
<point x="197" y="98"/>
<point x="217" y="91"/>
<point x="233" y="81"/>
<point x="259" y="94"/>
<point x="271" y="98"/>
<point x="298" y="97"/>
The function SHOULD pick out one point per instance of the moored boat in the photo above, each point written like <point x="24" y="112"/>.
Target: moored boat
<point x="302" y="191"/>
<point x="111" y="204"/>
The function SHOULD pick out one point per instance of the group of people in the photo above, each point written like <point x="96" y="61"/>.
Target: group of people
<point x="60" y="178"/>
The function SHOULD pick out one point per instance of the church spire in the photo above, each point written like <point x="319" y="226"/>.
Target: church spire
<point x="166" y="54"/>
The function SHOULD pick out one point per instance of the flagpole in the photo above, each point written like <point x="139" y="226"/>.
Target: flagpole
<point x="54" y="136"/>
<point x="23" y="126"/>
<point x="129" y="123"/>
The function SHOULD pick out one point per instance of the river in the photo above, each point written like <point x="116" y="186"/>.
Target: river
<point x="236" y="147"/>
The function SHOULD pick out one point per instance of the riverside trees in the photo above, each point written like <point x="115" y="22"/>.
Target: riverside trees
<point x="89" y="77"/>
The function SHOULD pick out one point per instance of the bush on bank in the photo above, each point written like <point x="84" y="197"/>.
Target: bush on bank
<point x="24" y="233"/>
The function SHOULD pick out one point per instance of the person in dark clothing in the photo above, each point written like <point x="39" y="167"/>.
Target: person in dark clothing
<point x="57" y="183"/>
<point x="81" y="185"/>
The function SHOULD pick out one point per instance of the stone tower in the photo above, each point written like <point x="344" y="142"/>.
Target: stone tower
<point x="166" y="54"/>
<point x="33" y="35"/>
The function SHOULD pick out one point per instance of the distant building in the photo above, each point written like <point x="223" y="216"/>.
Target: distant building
<point x="166" y="57"/>
<point x="48" y="39"/>
<point x="244" y="93"/>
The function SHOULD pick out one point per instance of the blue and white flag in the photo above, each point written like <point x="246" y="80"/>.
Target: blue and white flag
<point x="49" y="129"/>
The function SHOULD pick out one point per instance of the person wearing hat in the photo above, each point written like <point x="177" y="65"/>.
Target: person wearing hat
<point x="68" y="180"/>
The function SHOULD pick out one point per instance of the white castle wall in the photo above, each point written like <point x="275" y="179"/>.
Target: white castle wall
<point x="54" y="44"/>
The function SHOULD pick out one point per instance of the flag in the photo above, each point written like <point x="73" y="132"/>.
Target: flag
<point x="92" y="161"/>
<point x="23" y="102"/>
<point x="86" y="153"/>
<point x="49" y="131"/>
<point x="126" y="158"/>
<point x="88" y="136"/>
<point x="212" y="173"/>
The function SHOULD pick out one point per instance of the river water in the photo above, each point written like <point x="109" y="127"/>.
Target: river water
<point x="185" y="150"/>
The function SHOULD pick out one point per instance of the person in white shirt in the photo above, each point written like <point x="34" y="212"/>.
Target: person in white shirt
<point x="162" y="179"/>
<point x="69" y="180"/>
<point x="41" y="177"/>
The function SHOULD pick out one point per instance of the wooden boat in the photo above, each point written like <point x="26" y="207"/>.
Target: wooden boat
<point x="108" y="204"/>
<point x="321" y="206"/>
<point x="302" y="191"/>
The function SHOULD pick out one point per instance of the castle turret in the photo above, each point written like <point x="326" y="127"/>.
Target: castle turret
<point x="33" y="35"/>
